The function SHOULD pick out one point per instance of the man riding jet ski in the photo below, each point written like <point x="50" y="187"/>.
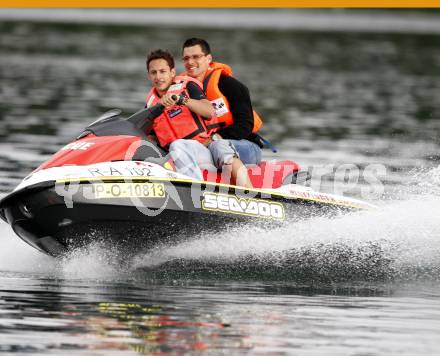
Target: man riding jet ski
<point x="112" y="183"/>
<point x="115" y="182"/>
<point x="189" y="130"/>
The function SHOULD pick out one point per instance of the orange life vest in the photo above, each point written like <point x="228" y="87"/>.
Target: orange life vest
<point x="215" y="96"/>
<point x="178" y="121"/>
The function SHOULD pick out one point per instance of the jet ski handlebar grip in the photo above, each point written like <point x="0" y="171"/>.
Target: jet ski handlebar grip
<point x="179" y="99"/>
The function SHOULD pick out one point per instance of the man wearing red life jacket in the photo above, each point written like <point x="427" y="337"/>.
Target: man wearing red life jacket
<point x="182" y="128"/>
<point x="179" y="123"/>
<point x="236" y="123"/>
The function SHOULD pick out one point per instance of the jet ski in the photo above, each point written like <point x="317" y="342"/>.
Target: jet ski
<point x="111" y="183"/>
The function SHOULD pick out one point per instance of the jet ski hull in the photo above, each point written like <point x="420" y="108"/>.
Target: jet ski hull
<point x="112" y="184"/>
<point x="58" y="216"/>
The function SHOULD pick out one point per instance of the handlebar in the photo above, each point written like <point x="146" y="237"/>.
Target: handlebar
<point x="144" y="118"/>
<point x="178" y="99"/>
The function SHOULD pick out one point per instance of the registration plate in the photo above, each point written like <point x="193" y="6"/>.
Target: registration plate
<point x="128" y="190"/>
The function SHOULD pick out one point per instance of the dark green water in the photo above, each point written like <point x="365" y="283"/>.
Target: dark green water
<point x="359" y="285"/>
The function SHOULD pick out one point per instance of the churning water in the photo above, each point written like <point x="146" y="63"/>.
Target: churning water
<point x="398" y="241"/>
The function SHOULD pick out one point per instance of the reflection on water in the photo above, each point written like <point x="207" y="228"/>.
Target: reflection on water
<point x="71" y="310"/>
<point x="133" y="316"/>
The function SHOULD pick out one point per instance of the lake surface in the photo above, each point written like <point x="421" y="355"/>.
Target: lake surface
<point x="338" y="96"/>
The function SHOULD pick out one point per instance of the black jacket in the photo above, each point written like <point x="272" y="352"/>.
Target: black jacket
<point x="240" y="105"/>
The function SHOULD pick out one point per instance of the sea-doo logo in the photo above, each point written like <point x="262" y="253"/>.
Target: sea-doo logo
<point x="249" y="207"/>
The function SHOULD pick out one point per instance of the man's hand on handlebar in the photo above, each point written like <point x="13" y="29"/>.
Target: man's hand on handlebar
<point x="167" y="100"/>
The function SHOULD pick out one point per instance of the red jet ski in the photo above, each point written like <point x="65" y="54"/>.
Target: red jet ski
<point x="112" y="184"/>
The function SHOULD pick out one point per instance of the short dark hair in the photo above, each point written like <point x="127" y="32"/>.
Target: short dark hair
<point x="160" y="54"/>
<point x="190" y="42"/>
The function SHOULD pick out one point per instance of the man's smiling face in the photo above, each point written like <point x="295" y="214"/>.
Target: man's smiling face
<point x="195" y="61"/>
<point x="161" y="75"/>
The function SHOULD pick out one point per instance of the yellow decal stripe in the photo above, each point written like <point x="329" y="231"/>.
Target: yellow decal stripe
<point x="233" y="187"/>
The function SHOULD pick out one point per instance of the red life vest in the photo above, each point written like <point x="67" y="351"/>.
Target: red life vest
<point x="218" y="100"/>
<point x="178" y="121"/>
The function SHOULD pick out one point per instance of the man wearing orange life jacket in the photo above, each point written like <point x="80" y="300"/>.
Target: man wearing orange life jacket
<point x="184" y="122"/>
<point x="236" y="122"/>
<point x="180" y="129"/>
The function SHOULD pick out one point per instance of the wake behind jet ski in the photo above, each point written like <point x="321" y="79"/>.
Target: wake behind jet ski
<point x="112" y="183"/>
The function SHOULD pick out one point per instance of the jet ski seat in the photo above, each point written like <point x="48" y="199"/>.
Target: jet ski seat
<point x="267" y="174"/>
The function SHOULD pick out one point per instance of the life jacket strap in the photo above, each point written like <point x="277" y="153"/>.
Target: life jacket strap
<point x="266" y="143"/>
